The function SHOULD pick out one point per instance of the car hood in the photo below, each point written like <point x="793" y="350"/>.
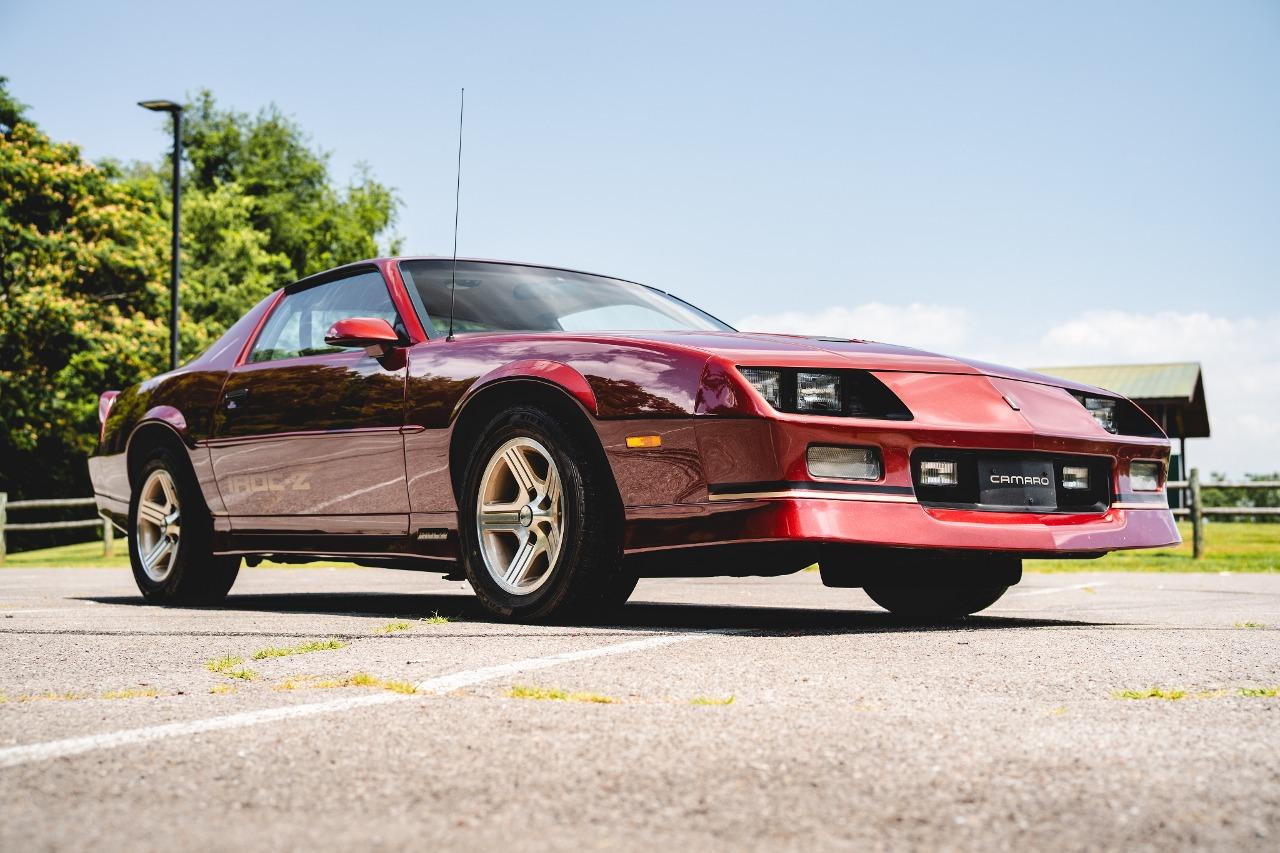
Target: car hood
<point x="773" y="350"/>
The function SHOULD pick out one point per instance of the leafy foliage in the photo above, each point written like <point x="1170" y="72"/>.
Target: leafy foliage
<point x="1257" y="497"/>
<point x="84" y="265"/>
<point x="289" y="194"/>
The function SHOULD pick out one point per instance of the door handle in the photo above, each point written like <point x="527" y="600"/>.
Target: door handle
<point x="233" y="400"/>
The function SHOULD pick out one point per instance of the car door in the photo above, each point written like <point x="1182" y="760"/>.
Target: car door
<point x="307" y="437"/>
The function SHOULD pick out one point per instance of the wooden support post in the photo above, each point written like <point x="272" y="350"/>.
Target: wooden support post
<point x="108" y="536"/>
<point x="4" y="519"/>
<point x="1197" y="515"/>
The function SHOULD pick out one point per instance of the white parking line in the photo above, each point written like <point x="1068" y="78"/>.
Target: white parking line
<point x="1053" y="589"/>
<point x="17" y="755"/>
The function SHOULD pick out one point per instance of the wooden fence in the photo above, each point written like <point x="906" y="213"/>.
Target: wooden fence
<point x="6" y="506"/>
<point x="1197" y="510"/>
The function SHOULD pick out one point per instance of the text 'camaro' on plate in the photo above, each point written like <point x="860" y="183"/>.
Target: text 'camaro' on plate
<point x="577" y="432"/>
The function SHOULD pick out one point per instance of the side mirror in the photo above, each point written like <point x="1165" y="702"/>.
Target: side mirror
<point x="374" y="334"/>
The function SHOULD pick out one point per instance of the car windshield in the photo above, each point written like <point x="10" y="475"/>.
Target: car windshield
<point x="508" y="297"/>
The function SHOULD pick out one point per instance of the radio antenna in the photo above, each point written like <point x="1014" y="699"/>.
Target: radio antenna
<point x="457" y="198"/>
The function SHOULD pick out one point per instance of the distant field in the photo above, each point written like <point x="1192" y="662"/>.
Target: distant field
<point x="1229" y="547"/>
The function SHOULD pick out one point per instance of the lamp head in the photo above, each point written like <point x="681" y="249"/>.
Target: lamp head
<point x="161" y="106"/>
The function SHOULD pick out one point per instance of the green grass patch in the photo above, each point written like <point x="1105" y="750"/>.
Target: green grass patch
<point x="711" y="700"/>
<point x="392" y="627"/>
<point x="364" y="679"/>
<point x="397" y="686"/>
<point x="47" y="696"/>
<point x="1250" y="625"/>
<point x="218" y="689"/>
<point x="1151" y="693"/>
<point x="1217" y="693"/>
<point x="132" y="693"/>
<point x="304" y="648"/>
<point x="230" y="666"/>
<point x="223" y="663"/>
<point x="1229" y="547"/>
<point x="436" y="619"/>
<point x="521" y="691"/>
<point x="1259" y="692"/>
<point x="88" y="555"/>
<point x="524" y="691"/>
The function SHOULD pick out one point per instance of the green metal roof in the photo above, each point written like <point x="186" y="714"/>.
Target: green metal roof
<point x="1173" y="394"/>
<point x="1136" y="381"/>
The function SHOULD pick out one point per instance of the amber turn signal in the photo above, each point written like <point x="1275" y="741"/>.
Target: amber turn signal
<point x="644" y="441"/>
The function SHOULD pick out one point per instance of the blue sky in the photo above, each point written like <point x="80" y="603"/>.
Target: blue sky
<point x="1033" y="183"/>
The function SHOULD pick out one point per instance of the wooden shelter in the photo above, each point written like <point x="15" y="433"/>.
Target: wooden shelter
<point x="1172" y="394"/>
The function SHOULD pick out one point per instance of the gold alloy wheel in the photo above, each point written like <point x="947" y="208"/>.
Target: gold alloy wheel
<point x="519" y="516"/>
<point x="158" y="528"/>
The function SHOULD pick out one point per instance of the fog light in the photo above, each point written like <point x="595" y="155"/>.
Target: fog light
<point x="1075" y="477"/>
<point x="935" y="472"/>
<point x="844" y="463"/>
<point x="1145" y="476"/>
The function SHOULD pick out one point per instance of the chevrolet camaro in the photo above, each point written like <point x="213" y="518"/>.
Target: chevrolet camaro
<point x="553" y="436"/>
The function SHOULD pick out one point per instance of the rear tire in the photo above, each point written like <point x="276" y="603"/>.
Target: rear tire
<point x="171" y="536"/>
<point x="541" y="523"/>
<point x="933" y="602"/>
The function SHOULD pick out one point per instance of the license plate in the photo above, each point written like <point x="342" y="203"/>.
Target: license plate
<point x="1021" y="483"/>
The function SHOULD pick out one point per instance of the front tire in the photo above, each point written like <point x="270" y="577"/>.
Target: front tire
<point x="541" y="523"/>
<point x="934" y="603"/>
<point x="171" y="534"/>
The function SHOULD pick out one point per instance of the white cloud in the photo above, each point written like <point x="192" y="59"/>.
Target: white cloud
<point x="917" y="324"/>
<point x="1240" y="357"/>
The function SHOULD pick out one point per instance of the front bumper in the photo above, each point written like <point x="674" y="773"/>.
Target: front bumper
<point x="898" y="523"/>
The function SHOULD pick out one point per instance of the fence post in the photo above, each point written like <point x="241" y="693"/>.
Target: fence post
<point x="108" y="536"/>
<point x="4" y="519"/>
<point x="1197" y="516"/>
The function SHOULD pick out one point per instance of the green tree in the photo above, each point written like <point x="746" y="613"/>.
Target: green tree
<point x="84" y="265"/>
<point x="289" y="193"/>
<point x="81" y="272"/>
<point x="1221" y="496"/>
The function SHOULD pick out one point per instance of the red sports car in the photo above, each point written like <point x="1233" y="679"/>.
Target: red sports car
<point x="552" y="436"/>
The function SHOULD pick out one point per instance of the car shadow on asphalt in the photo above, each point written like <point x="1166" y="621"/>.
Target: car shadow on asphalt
<point x="767" y="620"/>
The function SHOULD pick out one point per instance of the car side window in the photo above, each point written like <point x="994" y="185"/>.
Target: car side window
<point x="297" y="325"/>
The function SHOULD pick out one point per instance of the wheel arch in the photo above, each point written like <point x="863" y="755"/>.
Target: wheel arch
<point x="160" y="432"/>
<point x="481" y="406"/>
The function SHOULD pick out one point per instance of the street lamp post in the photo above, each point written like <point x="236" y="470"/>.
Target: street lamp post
<point x="176" y="111"/>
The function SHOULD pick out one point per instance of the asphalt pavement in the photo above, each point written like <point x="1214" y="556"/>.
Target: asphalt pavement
<point x="717" y="714"/>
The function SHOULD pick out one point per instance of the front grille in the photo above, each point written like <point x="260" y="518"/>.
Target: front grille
<point x="970" y="492"/>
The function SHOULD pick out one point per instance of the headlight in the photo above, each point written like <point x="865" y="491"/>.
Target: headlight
<point x="818" y="392"/>
<point x="1145" y="476"/>
<point x="1103" y="410"/>
<point x="844" y="463"/>
<point x="768" y="381"/>
<point x="835" y="393"/>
